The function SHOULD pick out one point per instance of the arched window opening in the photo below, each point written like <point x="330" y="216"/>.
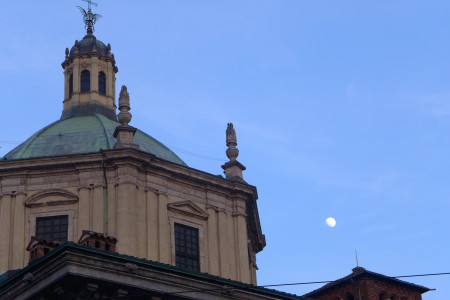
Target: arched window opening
<point x="85" y="81"/>
<point x="383" y="296"/>
<point x="349" y="297"/>
<point x="394" y="297"/>
<point x="102" y="83"/>
<point x="70" y="85"/>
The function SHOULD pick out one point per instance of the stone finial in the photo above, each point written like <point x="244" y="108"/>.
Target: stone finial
<point x="67" y="53"/>
<point x="232" y="152"/>
<point x="77" y="47"/>
<point x="124" y="107"/>
<point x="108" y="50"/>
<point x="232" y="169"/>
<point x="124" y="132"/>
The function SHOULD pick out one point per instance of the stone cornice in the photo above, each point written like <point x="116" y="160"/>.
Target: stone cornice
<point x="117" y="158"/>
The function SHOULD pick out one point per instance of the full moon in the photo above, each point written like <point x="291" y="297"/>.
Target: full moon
<point x="331" y="222"/>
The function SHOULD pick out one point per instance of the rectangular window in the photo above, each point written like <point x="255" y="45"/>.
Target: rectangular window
<point x="186" y="247"/>
<point x="52" y="228"/>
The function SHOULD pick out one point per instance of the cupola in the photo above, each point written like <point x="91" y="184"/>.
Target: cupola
<point x="89" y="75"/>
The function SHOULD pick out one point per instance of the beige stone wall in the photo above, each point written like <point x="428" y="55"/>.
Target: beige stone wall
<point x="143" y="204"/>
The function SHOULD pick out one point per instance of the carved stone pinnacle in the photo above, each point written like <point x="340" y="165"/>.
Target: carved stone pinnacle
<point x="124" y="107"/>
<point x="232" y="152"/>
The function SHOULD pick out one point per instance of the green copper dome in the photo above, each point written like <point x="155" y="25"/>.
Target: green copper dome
<point x="84" y="134"/>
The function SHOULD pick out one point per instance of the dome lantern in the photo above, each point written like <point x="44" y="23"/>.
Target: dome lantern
<point x="89" y="74"/>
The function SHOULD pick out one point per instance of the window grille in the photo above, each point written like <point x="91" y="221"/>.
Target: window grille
<point x="85" y="81"/>
<point x="102" y="83"/>
<point x="186" y="247"/>
<point x="70" y="85"/>
<point x="52" y="228"/>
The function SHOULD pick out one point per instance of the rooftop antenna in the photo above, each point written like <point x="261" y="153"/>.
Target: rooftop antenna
<point x="356" y="255"/>
<point x="89" y="18"/>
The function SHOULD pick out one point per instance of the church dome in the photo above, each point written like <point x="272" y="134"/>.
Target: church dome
<point x="84" y="134"/>
<point x="86" y="46"/>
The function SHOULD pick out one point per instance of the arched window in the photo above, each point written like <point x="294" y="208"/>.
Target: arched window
<point x="349" y="297"/>
<point x="383" y="296"/>
<point x="70" y="85"/>
<point x="85" y="81"/>
<point x="102" y="83"/>
<point x="394" y="297"/>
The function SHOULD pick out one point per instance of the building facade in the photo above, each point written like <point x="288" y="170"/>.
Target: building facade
<point x="91" y="170"/>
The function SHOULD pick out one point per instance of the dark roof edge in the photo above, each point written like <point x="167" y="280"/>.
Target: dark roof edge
<point x="349" y="277"/>
<point x="152" y="264"/>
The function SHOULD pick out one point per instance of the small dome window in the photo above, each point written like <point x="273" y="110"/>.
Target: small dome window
<point x="70" y="85"/>
<point x="85" y="81"/>
<point x="102" y="83"/>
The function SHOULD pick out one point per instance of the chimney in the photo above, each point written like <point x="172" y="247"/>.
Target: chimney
<point x="39" y="247"/>
<point x="98" y="240"/>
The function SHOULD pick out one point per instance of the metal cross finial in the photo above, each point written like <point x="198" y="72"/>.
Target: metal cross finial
<point x="89" y="18"/>
<point x="90" y="3"/>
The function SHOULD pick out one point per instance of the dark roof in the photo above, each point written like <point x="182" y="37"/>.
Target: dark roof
<point x="360" y="272"/>
<point x="7" y="278"/>
<point x="86" y="46"/>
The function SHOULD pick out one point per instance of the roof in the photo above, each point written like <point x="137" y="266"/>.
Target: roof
<point x="360" y="272"/>
<point x="9" y="278"/>
<point x="85" y="46"/>
<point x="84" y="134"/>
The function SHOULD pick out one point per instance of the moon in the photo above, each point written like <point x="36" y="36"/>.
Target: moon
<point x="331" y="222"/>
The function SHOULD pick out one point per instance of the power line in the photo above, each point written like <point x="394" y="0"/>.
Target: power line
<point x="230" y="288"/>
<point x="329" y="281"/>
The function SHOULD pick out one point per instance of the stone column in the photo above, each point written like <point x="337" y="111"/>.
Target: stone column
<point x="213" y="242"/>
<point x="141" y="220"/>
<point x="223" y="245"/>
<point x="126" y="193"/>
<point x="98" y="216"/>
<point x="94" y="74"/>
<point x="243" y="263"/>
<point x="19" y="231"/>
<point x="76" y="76"/>
<point x="164" y="230"/>
<point x="5" y="215"/>
<point x="152" y="225"/>
<point x="83" y="210"/>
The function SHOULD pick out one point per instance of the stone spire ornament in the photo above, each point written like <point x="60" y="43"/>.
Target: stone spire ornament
<point x="232" y="169"/>
<point x="124" y="132"/>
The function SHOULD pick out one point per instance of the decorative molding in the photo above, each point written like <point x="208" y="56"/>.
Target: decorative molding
<point x="66" y="198"/>
<point x="28" y="277"/>
<point x="217" y="209"/>
<point x="237" y="214"/>
<point x="131" y="267"/>
<point x="12" y="193"/>
<point x="85" y="65"/>
<point x="188" y="208"/>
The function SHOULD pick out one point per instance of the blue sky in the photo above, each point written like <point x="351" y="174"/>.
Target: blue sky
<point x="342" y="108"/>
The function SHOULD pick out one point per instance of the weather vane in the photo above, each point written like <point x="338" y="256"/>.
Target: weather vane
<point x="89" y="18"/>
